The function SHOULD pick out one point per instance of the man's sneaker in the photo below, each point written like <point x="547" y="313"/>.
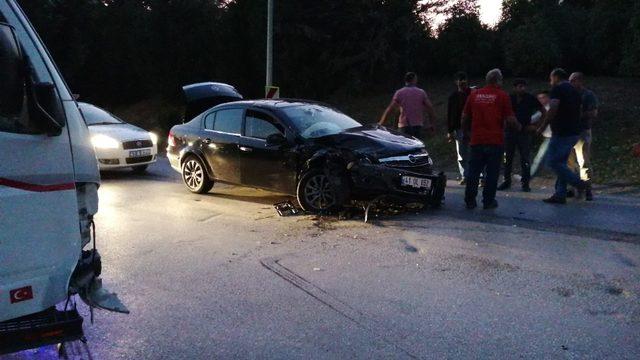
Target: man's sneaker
<point x="471" y="204"/>
<point x="490" y="205"/>
<point x="555" y="200"/>
<point x="505" y="185"/>
<point x="571" y="193"/>
<point x="526" y="188"/>
<point x="462" y="181"/>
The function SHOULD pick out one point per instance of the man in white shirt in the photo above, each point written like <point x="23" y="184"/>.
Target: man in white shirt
<point x="543" y="98"/>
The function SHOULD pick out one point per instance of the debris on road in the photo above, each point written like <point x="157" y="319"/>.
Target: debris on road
<point x="286" y="208"/>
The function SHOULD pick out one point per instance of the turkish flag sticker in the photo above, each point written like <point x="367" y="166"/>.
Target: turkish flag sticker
<point x="21" y="294"/>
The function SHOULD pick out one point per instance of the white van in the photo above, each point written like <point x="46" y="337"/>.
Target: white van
<point x="48" y="195"/>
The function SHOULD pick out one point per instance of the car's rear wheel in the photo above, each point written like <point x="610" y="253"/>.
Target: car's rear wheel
<point x="318" y="193"/>
<point x="195" y="176"/>
<point x="140" y="169"/>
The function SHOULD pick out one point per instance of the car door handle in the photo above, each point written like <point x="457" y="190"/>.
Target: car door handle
<point x="245" y="149"/>
<point x="207" y="141"/>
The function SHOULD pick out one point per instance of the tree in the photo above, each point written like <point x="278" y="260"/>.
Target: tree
<point x="464" y="43"/>
<point x="531" y="49"/>
<point x="630" y="64"/>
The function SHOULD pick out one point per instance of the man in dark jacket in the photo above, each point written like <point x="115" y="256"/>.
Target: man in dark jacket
<point x="455" y="105"/>
<point x="524" y="106"/>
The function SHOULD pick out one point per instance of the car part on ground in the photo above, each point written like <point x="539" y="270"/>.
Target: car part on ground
<point x="286" y="208"/>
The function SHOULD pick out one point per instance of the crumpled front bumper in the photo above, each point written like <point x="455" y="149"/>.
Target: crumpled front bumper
<point x="373" y="180"/>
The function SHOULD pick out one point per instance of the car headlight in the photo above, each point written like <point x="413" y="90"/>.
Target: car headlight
<point x="104" y="142"/>
<point x="154" y="138"/>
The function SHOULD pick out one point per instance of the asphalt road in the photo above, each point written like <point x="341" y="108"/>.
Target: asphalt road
<point x="222" y="276"/>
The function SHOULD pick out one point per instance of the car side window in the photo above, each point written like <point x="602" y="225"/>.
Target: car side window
<point x="228" y="121"/>
<point x="208" y="121"/>
<point x="260" y="125"/>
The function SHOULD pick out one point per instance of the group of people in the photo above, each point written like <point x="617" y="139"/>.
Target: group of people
<point x="488" y="126"/>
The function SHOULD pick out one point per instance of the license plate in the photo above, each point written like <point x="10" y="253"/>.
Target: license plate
<point x="139" y="153"/>
<point x="416" y="182"/>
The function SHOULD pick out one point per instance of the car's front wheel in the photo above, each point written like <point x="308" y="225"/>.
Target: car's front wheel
<point x="195" y="176"/>
<point x="318" y="193"/>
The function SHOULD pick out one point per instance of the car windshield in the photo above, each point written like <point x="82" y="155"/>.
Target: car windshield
<point x="96" y="116"/>
<point x="314" y="121"/>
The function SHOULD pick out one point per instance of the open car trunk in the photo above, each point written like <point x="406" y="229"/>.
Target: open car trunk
<point x="203" y="96"/>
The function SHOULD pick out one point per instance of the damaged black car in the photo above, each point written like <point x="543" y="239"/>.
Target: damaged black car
<point x="305" y="149"/>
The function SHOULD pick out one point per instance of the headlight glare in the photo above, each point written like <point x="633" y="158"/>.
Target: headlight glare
<point x="154" y="138"/>
<point x="104" y="142"/>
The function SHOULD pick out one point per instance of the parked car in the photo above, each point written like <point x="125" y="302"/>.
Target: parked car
<point x="305" y="149"/>
<point x="118" y="144"/>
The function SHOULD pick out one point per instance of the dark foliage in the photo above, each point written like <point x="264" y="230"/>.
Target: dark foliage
<point x="121" y="51"/>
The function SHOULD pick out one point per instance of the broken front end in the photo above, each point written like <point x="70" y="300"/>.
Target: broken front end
<point x="403" y="178"/>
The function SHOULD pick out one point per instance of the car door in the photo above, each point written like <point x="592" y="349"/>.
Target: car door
<point x="40" y="238"/>
<point x="262" y="165"/>
<point x="219" y="143"/>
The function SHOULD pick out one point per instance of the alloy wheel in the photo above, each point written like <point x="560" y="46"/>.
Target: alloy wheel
<point x="193" y="174"/>
<point x="319" y="192"/>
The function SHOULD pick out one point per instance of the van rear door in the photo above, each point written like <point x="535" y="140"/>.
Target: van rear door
<point x="40" y="239"/>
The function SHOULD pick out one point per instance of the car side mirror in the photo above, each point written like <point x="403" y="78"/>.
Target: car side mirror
<point x="276" y="140"/>
<point x="12" y="73"/>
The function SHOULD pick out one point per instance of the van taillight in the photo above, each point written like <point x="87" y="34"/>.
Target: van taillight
<point x="171" y="140"/>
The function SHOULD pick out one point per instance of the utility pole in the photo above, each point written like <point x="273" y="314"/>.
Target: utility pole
<point x="269" y="79"/>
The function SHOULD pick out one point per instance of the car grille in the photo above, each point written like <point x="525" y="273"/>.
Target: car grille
<point x="408" y="161"/>
<point x="137" y="144"/>
<point x="141" y="159"/>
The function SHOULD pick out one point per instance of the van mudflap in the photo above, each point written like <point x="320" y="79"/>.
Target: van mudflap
<point x="47" y="327"/>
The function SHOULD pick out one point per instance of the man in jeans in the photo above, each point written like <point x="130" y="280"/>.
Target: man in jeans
<point x="524" y="105"/>
<point x="490" y="108"/>
<point x="412" y="102"/>
<point x="564" y="117"/>
<point x="588" y="114"/>
<point x="455" y="105"/>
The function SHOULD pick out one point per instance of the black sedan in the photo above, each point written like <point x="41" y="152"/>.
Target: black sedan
<point x="308" y="150"/>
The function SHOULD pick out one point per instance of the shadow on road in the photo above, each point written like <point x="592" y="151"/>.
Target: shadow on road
<point x="249" y="195"/>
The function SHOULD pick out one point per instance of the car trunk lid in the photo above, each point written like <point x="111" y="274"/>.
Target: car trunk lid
<point x="202" y="96"/>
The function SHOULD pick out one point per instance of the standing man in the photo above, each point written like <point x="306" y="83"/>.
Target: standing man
<point x="455" y="105"/>
<point x="588" y="114"/>
<point x="543" y="98"/>
<point x="564" y="117"/>
<point x="524" y="105"/>
<point x="412" y="102"/>
<point x="490" y="108"/>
